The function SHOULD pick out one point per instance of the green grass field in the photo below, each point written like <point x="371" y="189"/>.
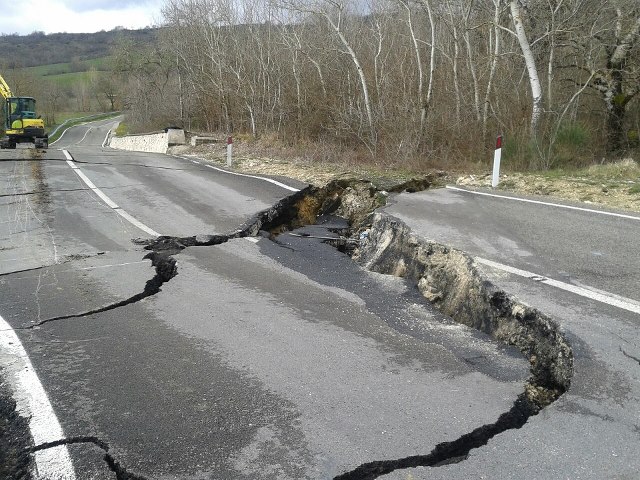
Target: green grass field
<point x="64" y="75"/>
<point x="58" y="69"/>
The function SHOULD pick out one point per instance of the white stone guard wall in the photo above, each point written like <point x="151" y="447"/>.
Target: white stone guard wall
<point x="153" y="142"/>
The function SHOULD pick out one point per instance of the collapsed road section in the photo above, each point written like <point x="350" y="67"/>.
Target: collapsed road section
<point x="449" y="280"/>
<point x="446" y="278"/>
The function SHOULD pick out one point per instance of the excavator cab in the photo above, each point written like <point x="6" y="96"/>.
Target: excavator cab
<point x="21" y="123"/>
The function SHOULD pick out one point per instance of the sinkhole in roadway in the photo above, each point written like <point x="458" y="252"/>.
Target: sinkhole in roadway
<point x="446" y="278"/>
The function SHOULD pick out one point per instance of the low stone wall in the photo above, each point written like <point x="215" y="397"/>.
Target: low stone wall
<point x="157" y="142"/>
<point x="154" y="143"/>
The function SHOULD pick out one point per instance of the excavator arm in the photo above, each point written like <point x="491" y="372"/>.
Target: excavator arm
<point x="5" y="91"/>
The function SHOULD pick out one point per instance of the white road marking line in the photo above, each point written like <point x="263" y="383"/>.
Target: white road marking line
<point x="538" y="202"/>
<point x="33" y="404"/>
<point x="136" y="222"/>
<point x="112" y="265"/>
<point x="106" y="138"/>
<point x="60" y="137"/>
<point x="275" y="182"/>
<point x="85" y="135"/>
<point x="107" y="200"/>
<point x="591" y="293"/>
<point x="270" y="180"/>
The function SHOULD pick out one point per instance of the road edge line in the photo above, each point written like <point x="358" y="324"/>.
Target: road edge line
<point x="539" y="202"/>
<point x="32" y="403"/>
<point x="265" y="179"/>
<point x="601" y="296"/>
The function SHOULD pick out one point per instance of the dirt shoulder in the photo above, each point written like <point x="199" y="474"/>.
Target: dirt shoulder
<point x="615" y="186"/>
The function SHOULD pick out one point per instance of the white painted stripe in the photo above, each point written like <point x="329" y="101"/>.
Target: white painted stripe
<point x="33" y="404"/>
<point x="538" y="202"/>
<point x="85" y="135"/>
<point x="136" y="222"/>
<point x="105" y="198"/>
<point x="111" y="265"/>
<point x="587" y="292"/>
<point x="106" y="137"/>
<point x="275" y="182"/>
<point x="60" y="137"/>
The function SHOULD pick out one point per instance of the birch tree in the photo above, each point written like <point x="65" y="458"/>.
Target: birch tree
<point x="530" y="62"/>
<point x="334" y="13"/>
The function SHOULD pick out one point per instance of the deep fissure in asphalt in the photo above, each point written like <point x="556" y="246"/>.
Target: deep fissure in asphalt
<point x="166" y="269"/>
<point x="447" y="279"/>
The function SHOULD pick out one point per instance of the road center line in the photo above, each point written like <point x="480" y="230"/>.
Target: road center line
<point x="85" y="135"/>
<point x="33" y="404"/>
<point x="105" y="198"/>
<point x="591" y="293"/>
<point x="538" y="202"/>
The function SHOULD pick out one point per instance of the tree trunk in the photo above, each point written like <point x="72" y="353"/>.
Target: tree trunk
<point x="534" y="80"/>
<point x="615" y="101"/>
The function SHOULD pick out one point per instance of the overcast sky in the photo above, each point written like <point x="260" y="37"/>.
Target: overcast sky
<point x="72" y="16"/>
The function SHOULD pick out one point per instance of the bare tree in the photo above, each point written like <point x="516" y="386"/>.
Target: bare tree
<point x="530" y="62"/>
<point x="618" y="81"/>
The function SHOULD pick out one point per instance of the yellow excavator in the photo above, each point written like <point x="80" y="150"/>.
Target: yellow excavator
<point x="20" y="123"/>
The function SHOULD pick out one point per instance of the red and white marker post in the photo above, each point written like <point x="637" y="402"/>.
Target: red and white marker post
<point x="496" y="162"/>
<point x="229" y="150"/>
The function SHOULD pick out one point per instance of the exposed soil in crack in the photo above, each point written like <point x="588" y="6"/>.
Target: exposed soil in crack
<point x="448" y="279"/>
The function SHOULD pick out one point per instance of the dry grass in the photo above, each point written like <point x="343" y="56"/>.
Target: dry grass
<point x="614" y="185"/>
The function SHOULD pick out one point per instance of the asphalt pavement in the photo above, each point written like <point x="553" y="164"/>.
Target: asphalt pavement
<point x="593" y="430"/>
<point x="259" y="359"/>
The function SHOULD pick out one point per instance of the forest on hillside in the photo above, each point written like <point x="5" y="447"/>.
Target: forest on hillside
<point x="70" y="74"/>
<point x="400" y="81"/>
<point x="38" y="48"/>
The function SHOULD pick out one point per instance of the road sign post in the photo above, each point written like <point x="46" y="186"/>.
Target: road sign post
<point x="495" y="179"/>
<point x="229" y="150"/>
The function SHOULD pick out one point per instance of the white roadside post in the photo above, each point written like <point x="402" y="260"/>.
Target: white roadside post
<point x="229" y="150"/>
<point x="496" y="162"/>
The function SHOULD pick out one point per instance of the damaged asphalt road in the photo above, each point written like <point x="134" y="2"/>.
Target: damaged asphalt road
<point x="201" y="354"/>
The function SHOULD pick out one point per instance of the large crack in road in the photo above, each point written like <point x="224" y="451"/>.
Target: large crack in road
<point x="447" y="278"/>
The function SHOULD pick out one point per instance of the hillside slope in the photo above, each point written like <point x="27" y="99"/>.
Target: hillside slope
<point x="41" y="49"/>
